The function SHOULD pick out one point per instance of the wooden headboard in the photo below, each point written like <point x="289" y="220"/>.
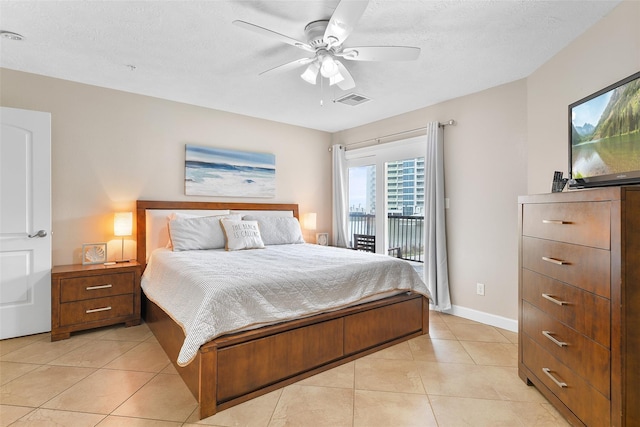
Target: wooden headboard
<point x="143" y="205"/>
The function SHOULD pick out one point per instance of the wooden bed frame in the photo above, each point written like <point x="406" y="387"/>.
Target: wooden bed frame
<point x="234" y="368"/>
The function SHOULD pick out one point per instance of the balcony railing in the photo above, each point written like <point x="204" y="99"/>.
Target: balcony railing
<point x="405" y="232"/>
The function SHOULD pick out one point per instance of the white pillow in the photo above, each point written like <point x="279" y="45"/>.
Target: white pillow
<point x="278" y="230"/>
<point x="242" y="235"/>
<point x="177" y="215"/>
<point x="191" y="233"/>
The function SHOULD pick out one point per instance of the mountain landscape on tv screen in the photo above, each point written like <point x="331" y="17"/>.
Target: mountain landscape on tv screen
<point x="585" y="130"/>
<point x="612" y="145"/>
<point x="620" y="117"/>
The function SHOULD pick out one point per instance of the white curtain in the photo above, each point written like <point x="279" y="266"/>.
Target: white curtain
<point x="436" y="274"/>
<point x="340" y="197"/>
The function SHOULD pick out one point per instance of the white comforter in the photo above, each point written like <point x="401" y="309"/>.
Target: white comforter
<point x="214" y="292"/>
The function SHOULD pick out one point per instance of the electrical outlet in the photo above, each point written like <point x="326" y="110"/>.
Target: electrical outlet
<point x="480" y="289"/>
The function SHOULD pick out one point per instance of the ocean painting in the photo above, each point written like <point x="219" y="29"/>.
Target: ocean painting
<point x="212" y="171"/>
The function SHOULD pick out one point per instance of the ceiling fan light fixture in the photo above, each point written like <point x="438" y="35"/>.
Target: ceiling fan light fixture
<point x="329" y="67"/>
<point x="310" y="75"/>
<point x="336" y="78"/>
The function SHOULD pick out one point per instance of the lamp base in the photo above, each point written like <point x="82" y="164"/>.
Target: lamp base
<point x="118" y="261"/>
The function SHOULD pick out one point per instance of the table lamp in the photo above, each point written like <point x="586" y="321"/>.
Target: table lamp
<point x="122" y="226"/>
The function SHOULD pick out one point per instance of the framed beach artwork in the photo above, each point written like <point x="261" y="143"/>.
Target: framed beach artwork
<point x="210" y="171"/>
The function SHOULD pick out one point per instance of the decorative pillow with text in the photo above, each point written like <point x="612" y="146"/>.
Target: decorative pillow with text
<point x="242" y="235"/>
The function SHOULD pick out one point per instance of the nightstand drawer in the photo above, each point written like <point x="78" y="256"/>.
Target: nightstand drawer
<point x="583" y="400"/>
<point x="581" y="266"/>
<point x="73" y="313"/>
<point x="585" y="312"/>
<point x="589" y="360"/>
<point x="584" y="223"/>
<point x="87" y="287"/>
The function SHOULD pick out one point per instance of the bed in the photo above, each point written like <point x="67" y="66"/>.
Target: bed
<point x="234" y="367"/>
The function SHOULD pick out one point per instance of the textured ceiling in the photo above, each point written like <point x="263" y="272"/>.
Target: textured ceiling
<point x="188" y="51"/>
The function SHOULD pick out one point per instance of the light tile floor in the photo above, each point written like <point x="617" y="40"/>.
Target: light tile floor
<point x="462" y="374"/>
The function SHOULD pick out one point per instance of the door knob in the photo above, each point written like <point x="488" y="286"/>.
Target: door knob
<point x="40" y="233"/>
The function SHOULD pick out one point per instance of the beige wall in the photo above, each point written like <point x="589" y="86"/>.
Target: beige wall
<point x="609" y="51"/>
<point x="110" y="148"/>
<point x="484" y="174"/>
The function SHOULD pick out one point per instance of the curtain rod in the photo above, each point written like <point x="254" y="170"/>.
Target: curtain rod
<point x="377" y="140"/>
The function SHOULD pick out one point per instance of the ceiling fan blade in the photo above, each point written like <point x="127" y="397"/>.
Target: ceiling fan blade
<point x="289" y="65"/>
<point x="343" y="21"/>
<point x="380" y="53"/>
<point x="348" y="82"/>
<point x="273" y="35"/>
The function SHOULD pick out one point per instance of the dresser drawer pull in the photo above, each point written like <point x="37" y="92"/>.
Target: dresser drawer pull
<point x="555" y="221"/>
<point x="95" y="310"/>
<point x="553" y="340"/>
<point x="93" y="288"/>
<point x="553" y="260"/>
<point x="560" y="384"/>
<point x="553" y="300"/>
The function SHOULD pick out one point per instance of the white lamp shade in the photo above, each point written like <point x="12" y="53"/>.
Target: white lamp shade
<point x="310" y="75"/>
<point x="123" y="224"/>
<point x="329" y="67"/>
<point x="309" y="221"/>
<point x="336" y="78"/>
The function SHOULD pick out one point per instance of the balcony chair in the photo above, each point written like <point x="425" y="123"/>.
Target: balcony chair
<point x="367" y="243"/>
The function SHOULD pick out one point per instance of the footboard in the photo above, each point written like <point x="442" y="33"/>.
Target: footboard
<point x="235" y="368"/>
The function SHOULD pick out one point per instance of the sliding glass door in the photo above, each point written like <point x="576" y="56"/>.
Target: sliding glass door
<point x="405" y="208"/>
<point x="386" y="197"/>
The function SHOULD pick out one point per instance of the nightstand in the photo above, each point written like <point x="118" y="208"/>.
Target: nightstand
<point x="91" y="296"/>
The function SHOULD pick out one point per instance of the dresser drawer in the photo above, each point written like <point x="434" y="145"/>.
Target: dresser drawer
<point x="583" y="311"/>
<point x="583" y="400"/>
<point x="581" y="266"/>
<point x="588" y="359"/>
<point x="86" y="311"/>
<point x="582" y="223"/>
<point x="87" y="287"/>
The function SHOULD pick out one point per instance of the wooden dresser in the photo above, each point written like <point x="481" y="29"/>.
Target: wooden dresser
<point x="579" y="297"/>
<point x="90" y="296"/>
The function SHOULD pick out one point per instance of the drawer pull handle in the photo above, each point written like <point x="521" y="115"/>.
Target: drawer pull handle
<point x="560" y="384"/>
<point x="93" y="288"/>
<point x="553" y="300"/>
<point x="553" y="260"/>
<point x="553" y="340"/>
<point x="95" y="310"/>
<point x="554" y="221"/>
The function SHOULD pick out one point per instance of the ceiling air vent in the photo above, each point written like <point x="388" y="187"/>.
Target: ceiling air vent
<point x="352" y="99"/>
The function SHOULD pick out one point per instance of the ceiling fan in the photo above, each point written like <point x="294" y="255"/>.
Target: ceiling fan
<point x="325" y="40"/>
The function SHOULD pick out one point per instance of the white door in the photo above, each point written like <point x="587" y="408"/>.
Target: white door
<point x="25" y="222"/>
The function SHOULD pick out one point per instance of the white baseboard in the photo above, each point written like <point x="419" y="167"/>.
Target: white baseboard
<point x="482" y="317"/>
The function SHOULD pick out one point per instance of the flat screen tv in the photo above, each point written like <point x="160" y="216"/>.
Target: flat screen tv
<point x="604" y="136"/>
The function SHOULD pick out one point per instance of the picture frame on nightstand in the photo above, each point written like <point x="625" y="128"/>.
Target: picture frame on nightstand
<point x="322" y="239"/>
<point x="94" y="253"/>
